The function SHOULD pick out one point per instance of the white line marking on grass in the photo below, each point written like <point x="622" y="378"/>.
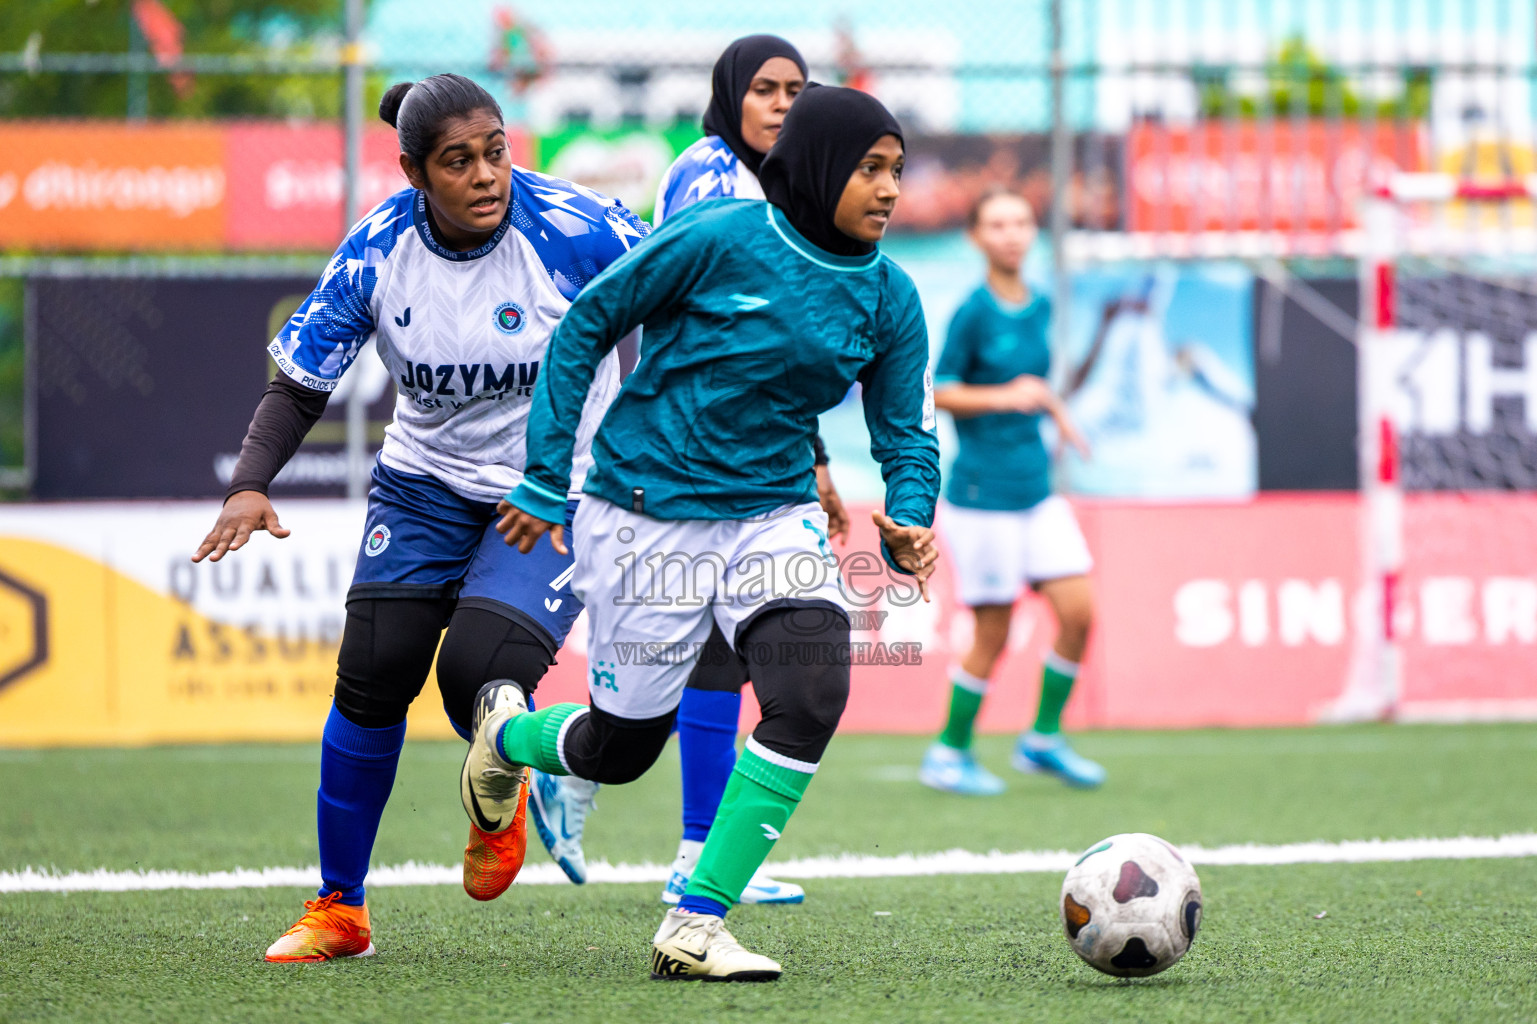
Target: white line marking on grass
<point x="950" y="862"/>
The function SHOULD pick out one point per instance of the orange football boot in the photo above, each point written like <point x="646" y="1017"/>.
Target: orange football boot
<point x="327" y="930"/>
<point x="493" y="859"/>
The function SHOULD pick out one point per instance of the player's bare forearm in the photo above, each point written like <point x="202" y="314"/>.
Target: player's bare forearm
<point x="1069" y="430"/>
<point x="1025" y="393"/>
<point x="832" y="504"/>
<point x="965" y="400"/>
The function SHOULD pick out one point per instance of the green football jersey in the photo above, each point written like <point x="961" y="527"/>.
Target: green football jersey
<point x="1002" y="464"/>
<point x="750" y="332"/>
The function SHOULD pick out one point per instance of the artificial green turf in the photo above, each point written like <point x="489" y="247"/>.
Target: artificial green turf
<point x="254" y="806"/>
<point x="1424" y="941"/>
<point x="1431" y="941"/>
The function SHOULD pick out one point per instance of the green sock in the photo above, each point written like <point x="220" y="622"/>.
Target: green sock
<point x="531" y="739"/>
<point x="759" y="799"/>
<point x="1057" y="678"/>
<point x="966" y="693"/>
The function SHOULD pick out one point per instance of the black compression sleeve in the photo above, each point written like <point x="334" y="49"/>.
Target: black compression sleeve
<point x="284" y="415"/>
<point x="818" y="451"/>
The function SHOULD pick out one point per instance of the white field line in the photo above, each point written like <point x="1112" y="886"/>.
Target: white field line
<point x="951" y="862"/>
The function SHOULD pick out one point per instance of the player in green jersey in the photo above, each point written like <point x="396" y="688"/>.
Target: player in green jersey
<point x="1004" y="527"/>
<point x="702" y="508"/>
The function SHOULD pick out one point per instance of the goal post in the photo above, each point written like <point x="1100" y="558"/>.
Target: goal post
<point x="1446" y="270"/>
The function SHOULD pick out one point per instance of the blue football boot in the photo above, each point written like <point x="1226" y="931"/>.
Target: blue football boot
<point x="1050" y="754"/>
<point x="559" y="805"/>
<point x="956" y="771"/>
<point x="761" y="888"/>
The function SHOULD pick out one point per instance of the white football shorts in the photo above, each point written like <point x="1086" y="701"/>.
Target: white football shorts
<point x="995" y="554"/>
<point x="652" y="588"/>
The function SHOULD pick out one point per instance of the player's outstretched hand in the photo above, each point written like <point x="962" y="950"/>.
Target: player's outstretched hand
<point x="242" y="515"/>
<point x="913" y="548"/>
<point x="1026" y="393"/>
<point x="522" y="531"/>
<point x="832" y="504"/>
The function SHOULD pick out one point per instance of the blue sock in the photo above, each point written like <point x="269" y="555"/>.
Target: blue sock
<point x="357" y="771"/>
<point x="702" y="905"/>
<point x="463" y="731"/>
<point x="707" y="721"/>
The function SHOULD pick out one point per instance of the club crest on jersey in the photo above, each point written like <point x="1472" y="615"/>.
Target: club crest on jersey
<point x="510" y="318"/>
<point x="378" y="539"/>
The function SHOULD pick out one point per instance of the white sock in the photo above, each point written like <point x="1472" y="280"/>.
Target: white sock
<point x="688" y="856"/>
<point x="966" y="681"/>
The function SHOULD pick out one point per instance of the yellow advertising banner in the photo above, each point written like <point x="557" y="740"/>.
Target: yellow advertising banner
<point x="110" y="635"/>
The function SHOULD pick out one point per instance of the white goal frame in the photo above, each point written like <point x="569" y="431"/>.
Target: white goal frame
<point x="1388" y="231"/>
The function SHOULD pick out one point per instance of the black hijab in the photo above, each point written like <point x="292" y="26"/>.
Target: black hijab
<point x="734" y="71"/>
<point x="825" y="135"/>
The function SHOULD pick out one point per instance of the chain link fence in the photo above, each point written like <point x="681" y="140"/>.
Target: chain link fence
<point x="162" y="139"/>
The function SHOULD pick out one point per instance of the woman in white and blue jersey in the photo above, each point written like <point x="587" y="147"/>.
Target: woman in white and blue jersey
<point x="460" y="280"/>
<point x="755" y="80"/>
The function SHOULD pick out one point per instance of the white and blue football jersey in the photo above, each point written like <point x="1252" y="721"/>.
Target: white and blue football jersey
<point x="463" y="334"/>
<point x="706" y="170"/>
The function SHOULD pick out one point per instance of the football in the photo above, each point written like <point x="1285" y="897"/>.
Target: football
<point x="1131" y="905"/>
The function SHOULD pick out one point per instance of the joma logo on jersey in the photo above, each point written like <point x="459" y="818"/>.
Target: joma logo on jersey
<point x="471" y="380"/>
<point x="510" y="318"/>
<point x="862" y="343"/>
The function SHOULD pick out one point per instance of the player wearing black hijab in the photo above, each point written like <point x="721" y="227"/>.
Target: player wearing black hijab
<point x="758" y="317"/>
<point x="755" y="80"/>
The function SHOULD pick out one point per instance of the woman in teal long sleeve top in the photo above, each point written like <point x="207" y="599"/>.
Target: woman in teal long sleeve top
<point x="702" y="508"/>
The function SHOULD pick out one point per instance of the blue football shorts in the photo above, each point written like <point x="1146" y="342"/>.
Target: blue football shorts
<point x="423" y="540"/>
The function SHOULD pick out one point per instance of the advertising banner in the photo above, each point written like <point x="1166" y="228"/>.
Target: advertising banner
<point x="112" y="187"/>
<point x="1276" y="176"/>
<point x="626" y="163"/>
<point x="1158" y="373"/>
<point x="286" y="183"/>
<point x="946" y="174"/>
<point x="1458" y="375"/>
<point x="1305" y="385"/>
<point x="240" y="185"/>
<point x="1159" y="376"/>
<point x="143" y="387"/>
<point x="1228" y="614"/>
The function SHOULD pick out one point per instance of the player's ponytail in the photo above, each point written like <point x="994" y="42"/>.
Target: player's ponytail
<point x="418" y="111"/>
<point x="389" y="104"/>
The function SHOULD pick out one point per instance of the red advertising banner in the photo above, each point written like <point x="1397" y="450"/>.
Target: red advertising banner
<point x="238" y="186"/>
<point x="1219" y="615"/>
<point x="286" y="183"/>
<point x="1278" y="176"/>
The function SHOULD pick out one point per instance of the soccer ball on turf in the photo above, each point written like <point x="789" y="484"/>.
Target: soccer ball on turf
<point x="1131" y="905"/>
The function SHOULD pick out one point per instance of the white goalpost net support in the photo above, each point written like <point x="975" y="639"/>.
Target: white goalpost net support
<point x="1448" y="289"/>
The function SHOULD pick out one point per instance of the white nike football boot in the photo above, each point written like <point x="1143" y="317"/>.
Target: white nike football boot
<point x="760" y="889"/>
<point x="489" y="785"/>
<point x="559" y="806"/>
<point x="697" y="947"/>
